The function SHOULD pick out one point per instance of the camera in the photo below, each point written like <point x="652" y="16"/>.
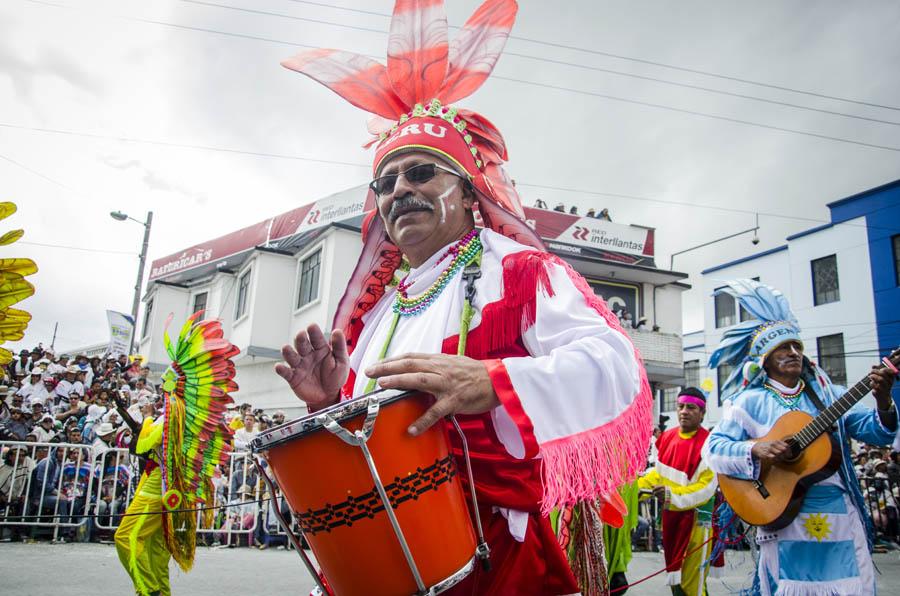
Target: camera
<point x="755" y="240"/>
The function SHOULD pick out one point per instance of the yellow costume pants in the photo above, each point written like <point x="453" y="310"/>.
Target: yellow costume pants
<point x="140" y="542"/>
<point x="693" y="579"/>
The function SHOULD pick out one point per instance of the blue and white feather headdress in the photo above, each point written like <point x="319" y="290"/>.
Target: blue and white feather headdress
<point x="746" y="345"/>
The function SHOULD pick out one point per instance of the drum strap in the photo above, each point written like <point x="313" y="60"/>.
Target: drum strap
<point x="470" y="274"/>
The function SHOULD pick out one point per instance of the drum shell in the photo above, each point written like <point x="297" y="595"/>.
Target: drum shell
<point x="363" y="557"/>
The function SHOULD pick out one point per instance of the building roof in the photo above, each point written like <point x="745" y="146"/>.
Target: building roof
<point x="745" y="259"/>
<point x="864" y="193"/>
<point x="809" y="231"/>
<point x="629" y="246"/>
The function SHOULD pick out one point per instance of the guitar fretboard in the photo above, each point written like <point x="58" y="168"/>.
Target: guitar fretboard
<point x="832" y="413"/>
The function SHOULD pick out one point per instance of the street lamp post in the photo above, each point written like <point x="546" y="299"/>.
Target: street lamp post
<point x="119" y="216"/>
<point x="755" y="241"/>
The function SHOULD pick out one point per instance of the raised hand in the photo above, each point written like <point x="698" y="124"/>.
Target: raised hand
<point x="460" y="384"/>
<point x="315" y="367"/>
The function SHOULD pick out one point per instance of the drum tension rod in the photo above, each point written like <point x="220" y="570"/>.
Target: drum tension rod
<point x="482" y="551"/>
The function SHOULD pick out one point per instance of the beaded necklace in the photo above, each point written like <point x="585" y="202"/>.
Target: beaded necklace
<point x="789" y="401"/>
<point x="463" y="253"/>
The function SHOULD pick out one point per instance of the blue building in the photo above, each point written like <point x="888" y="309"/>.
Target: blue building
<point x="842" y="279"/>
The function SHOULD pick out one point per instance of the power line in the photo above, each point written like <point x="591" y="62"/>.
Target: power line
<point x="181" y="145"/>
<point x="639" y="60"/>
<point x="38" y="174"/>
<point x="543" y="85"/>
<point x="113" y="252"/>
<point x="558" y="62"/>
<point x="696" y="113"/>
<point x="360" y="165"/>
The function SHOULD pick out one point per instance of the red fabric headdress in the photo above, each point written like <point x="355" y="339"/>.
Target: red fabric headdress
<point x="410" y="99"/>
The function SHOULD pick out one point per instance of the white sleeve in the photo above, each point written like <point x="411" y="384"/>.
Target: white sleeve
<point x="581" y="373"/>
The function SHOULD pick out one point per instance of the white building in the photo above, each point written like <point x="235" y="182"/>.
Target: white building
<point x="843" y="283"/>
<point x="268" y="281"/>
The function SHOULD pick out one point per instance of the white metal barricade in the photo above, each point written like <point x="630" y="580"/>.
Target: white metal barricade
<point x="242" y="485"/>
<point x="50" y="485"/>
<point x="64" y="486"/>
<point x="115" y="478"/>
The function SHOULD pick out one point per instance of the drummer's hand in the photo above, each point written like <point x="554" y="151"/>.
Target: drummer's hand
<point x="315" y="368"/>
<point x="460" y="384"/>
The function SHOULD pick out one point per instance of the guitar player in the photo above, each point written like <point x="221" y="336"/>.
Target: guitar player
<point x="826" y="548"/>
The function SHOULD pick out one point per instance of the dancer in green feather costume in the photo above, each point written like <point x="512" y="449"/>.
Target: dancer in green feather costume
<point x="183" y="446"/>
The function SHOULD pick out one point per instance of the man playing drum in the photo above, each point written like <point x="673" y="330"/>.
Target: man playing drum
<point x="549" y="390"/>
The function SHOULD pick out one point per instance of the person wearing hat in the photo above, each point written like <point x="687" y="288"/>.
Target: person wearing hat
<point x="58" y="367"/>
<point x="44" y="430"/>
<point x="826" y="549"/>
<point x="21" y="366"/>
<point x="106" y="436"/>
<point x="686" y="487"/>
<point x="33" y="390"/>
<point x="66" y="384"/>
<point x="15" y="428"/>
<point x="482" y="318"/>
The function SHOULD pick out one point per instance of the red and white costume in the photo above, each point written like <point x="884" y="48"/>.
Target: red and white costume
<point x="567" y="379"/>
<point x="574" y="421"/>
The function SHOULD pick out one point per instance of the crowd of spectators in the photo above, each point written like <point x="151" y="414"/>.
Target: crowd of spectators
<point x="878" y="471"/>
<point x="79" y="469"/>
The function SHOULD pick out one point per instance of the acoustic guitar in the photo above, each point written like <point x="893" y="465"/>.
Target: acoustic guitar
<point x="774" y="500"/>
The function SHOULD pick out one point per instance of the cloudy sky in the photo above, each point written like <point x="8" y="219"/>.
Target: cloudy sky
<point x="653" y="109"/>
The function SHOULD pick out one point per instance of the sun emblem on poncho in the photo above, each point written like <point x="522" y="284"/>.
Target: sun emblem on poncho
<point x="817" y="526"/>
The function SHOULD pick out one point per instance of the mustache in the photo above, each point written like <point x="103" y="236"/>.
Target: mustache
<point x="406" y="204"/>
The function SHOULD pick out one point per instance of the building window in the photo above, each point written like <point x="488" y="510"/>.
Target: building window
<point x="744" y="314"/>
<point x="722" y="373"/>
<point x="148" y="311"/>
<point x="243" y="295"/>
<point x="831" y="357"/>
<point x="669" y="401"/>
<point x="825" y="280"/>
<point x="896" y="242"/>
<point x="309" y="278"/>
<point x="724" y="306"/>
<point x="200" y="304"/>
<point x="692" y="373"/>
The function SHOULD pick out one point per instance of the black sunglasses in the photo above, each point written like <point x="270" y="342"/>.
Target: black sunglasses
<point x="419" y="174"/>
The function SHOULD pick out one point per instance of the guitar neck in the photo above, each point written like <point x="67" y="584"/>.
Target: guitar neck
<point x="832" y="413"/>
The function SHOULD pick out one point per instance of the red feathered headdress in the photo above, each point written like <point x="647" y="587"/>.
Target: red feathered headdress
<point x="410" y="100"/>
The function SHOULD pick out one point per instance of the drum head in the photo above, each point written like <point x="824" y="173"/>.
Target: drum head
<point x="340" y="412"/>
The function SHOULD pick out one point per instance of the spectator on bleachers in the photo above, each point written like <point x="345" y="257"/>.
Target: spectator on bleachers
<point x="44" y="431"/>
<point x="244" y="436"/>
<point x="15" y="428"/>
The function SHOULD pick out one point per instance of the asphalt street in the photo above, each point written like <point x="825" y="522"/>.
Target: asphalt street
<point x="78" y="569"/>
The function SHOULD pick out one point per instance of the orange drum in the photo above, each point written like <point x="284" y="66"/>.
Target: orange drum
<point x="324" y="464"/>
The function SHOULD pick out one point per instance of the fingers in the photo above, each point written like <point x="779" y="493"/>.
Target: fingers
<point x="440" y="409"/>
<point x="291" y="356"/>
<point x="407" y="363"/>
<point x="316" y="337"/>
<point x="302" y="343"/>
<point x="415" y="381"/>
<point x="283" y="371"/>
<point x="339" y="346"/>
